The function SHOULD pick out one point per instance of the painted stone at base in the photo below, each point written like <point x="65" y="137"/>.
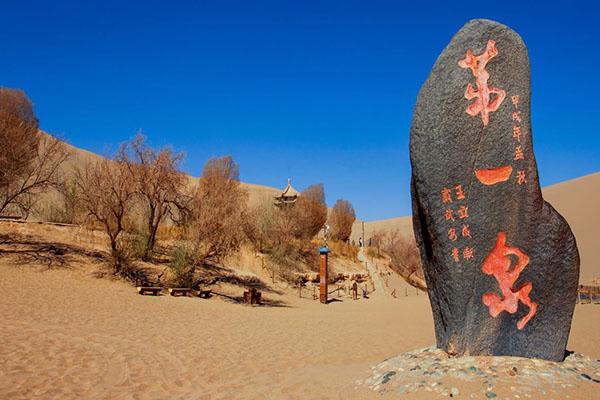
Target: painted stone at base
<point x="501" y="264"/>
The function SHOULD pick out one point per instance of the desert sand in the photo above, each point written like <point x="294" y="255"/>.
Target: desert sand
<point x="68" y="334"/>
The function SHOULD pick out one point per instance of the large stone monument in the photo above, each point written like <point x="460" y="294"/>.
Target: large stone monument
<point x="501" y="264"/>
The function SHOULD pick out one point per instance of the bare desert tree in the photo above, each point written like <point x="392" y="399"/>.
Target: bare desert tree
<point x="405" y="258"/>
<point x="378" y="241"/>
<point x="219" y="209"/>
<point x="29" y="160"/>
<point x="262" y="225"/>
<point x="159" y="185"/>
<point x="310" y="212"/>
<point x="341" y="219"/>
<point x="106" y="193"/>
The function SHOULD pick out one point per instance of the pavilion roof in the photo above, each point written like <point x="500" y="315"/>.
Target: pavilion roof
<point x="289" y="190"/>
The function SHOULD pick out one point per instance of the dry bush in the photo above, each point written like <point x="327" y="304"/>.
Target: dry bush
<point x="270" y="231"/>
<point x="341" y="220"/>
<point x="182" y="267"/>
<point x="159" y="186"/>
<point x="170" y="232"/>
<point x="344" y="249"/>
<point x="219" y="211"/>
<point x="268" y="226"/>
<point x="371" y="252"/>
<point x="290" y="257"/>
<point x="309" y="212"/>
<point x="285" y="233"/>
<point x="29" y="161"/>
<point x="61" y="205"/>
<point x="377" y="243"/>
<point x="405" y="258"/>
<point x="106" y="193"/>
<point x="263" y="227"/>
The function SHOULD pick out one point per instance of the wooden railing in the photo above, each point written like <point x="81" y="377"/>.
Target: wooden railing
<point x="588" y="294"/>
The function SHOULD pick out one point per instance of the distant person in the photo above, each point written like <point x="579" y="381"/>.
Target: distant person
<point x="354" y="290"/>
<point x="360" y="242"/>
<point x="365" y="291"/>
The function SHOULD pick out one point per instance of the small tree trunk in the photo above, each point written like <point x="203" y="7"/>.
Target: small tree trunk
<point x="152" y="229"/>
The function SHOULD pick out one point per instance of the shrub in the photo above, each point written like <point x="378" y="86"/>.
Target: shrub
<point x="341" y="220"/>
<point x="219" y="210"/>
<point x="344" y="249"/>
<point x="405" y="258"/>
<point x="182" y="267"/>
<point x="309" y="212"/>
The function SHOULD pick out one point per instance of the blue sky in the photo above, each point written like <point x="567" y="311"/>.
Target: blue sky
<point x="317" y="91"/>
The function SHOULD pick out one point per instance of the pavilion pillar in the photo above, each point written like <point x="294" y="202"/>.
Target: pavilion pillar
<point x="323" y="251"/>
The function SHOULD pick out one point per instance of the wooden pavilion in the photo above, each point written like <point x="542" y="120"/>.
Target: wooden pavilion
<point x="288" y="195"/>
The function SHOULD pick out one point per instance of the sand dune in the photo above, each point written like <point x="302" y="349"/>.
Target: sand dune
<point x="257" y="193"/>
<point x="403" y="225"/>
<point x="577" y="200"/>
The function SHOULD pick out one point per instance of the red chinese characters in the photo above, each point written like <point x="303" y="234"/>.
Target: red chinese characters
<point x="457" y="210"/>
<point x="498" y="263"/>
<point x="466" y="231"/>
<point x="446" y="195"/>
<point x="483" y="103"/>
<point x="521" y="177"/>
<point x="468" y="253"/>
<point x="492" y="176"/>
<point x="452" y="234"/>
<point x="517" y="133"/>
<point x="519" y="152"/>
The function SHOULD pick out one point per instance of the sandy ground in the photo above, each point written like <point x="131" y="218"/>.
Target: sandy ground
<point x="65" y="335"/>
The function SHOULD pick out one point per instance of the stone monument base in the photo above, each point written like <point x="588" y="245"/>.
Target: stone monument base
<point x="432" y="370"/>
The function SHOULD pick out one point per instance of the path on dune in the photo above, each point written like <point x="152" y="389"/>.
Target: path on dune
<point x="377" y="282"/>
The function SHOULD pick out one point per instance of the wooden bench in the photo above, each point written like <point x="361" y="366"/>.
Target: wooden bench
<point x="205" y="293"/>
<point x="179" y="291"/>
<point x="153" y="290"/>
